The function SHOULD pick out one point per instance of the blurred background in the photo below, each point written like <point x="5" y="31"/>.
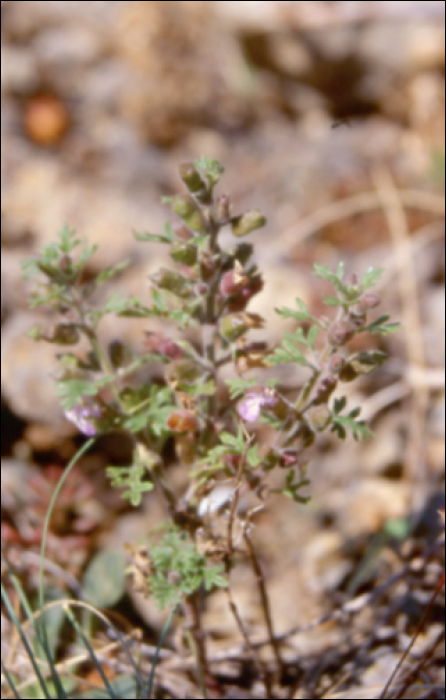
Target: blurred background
<point x="330" y="118"/>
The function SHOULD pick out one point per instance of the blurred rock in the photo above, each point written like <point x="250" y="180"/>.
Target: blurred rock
<point x="27" y="369"/>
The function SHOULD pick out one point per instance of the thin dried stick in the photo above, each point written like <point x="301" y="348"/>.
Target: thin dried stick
<point x="265" y="602"/>
<point x="413" y="640"/>
<point x="260" y="666"/>
<point x="357" y="204"/>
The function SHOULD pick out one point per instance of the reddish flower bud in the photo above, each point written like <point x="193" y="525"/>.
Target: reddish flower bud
<point x="370" y="300"/>
<point x="234" y="280"/>
<point x="340" y="333"/>
<point x="223" y="208"/>
<point x="181" y="231"/>
<point x="350" y="280"/>
<point x="163" y="345"/>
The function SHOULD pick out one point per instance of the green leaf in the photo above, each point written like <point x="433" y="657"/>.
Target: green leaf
<point x="302" y="314"/>
<point x="235" y="441"/>
<point x="68" y="242"/>
<point x="72" y="391"/>
<point x="339" y="404"/>
<point x="253" y="457"/>
<point x="399" y="528"/>
<point x="238" y="387"/>
<point x="335" y="278"/>
<point x="358" y="428"/>
<point x="116" y="304"/>
<point x="104" y="580"/>
<point x="293" y="484"/>
<point x="167" y="237"/>
<point x="111" y="271"/>
<point x="333" y="301"/>
<point x="52" y="618"/>
<point x="179" y="569"/>
<point x="380" y="326"/>
<point x="207" y="389"/>
<point x="211" y="168"/>
<point x="312" y="335"/>
<point x="86" y="254"/>
<point x="130" y="478"/>
<point x="30" y="268"/>
<point x="360" y="363"/>
<point x="214" y="577"/>
<point x="44" y="299"/>
<point x="371" y="277"/>
<point x="288" y="352"/>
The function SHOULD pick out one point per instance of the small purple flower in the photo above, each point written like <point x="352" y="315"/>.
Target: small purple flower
<point x="81" y="414"/>
<point x="249" y="408"/>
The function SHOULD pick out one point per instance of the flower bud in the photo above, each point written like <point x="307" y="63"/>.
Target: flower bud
<point x="350" y="280"/>
<point x="172" y="282"/>
<point x="239" y="301"/>
<point x="187" y="209"/>
<point x="362" y="363"/>
<point x="63" y="334"/>
<point x="65" y="264"/>
<point x="183" y="253"/>
<point x="250" y="356"/>
<point x="244" y="224"/>
<point x="184" y="370"/>
<point x="223" y="208"/>
<point x="340" y="333"/>
<point x="119" y="354"/>
<point x="369" y="300"/>
<point x="192" y="179"/>
<point x="174" y="578"/>
<point x="319" y="417"/>
<point x="233" y="327"/>
<point x="234" y="280"/>
<point x="243" y="252"/>
<point x="181" y="231"/>
<point x="357" y="315"/>
<point x="324" y="390"/>
<point x="336" y="363"/>
<point x="163" y="345"/>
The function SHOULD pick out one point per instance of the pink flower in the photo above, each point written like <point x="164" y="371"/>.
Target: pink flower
<point x="249" y="409"/>
<point x="80" y="415"/>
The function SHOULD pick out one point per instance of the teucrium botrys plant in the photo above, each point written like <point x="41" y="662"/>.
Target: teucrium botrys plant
<point x="207" y="288"/>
